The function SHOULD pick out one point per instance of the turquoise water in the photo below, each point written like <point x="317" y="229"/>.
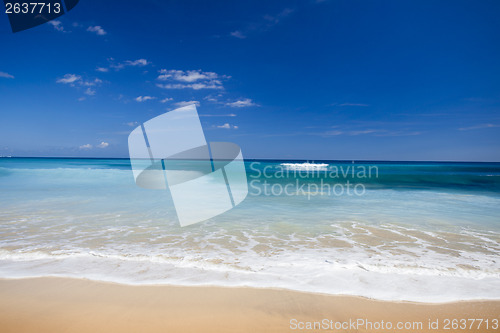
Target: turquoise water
<point x="413" y="231"/>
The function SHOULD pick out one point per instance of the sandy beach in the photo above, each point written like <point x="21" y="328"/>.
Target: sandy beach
<point x="77" y="305"/>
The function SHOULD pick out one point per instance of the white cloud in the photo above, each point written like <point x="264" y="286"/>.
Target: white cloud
<point x="6" y="75"/>
<point x="57" y="25"/>
<point x="186" y="103"/>
<point x="211" y="98"/>
<point x="191" y="79"/>
<point x="91" y="83"/>
<point x="81" y="99"/>
<point x="138" y="62"/>
<point x="97" y="29"/>
<point x="186" y="76"/>
<point x="165" y="100"/>
<point x="127" y="63"/>
<point x="238" y="34"/>
<point x="132" y="123"/>
<point x="241" y="103"/>
<point x="227" y="126"/>
<point x="102" y="69"/>
<point x="77" y="81"/>
<point x="89" y="91"/>
<point x="73" y="79"/>
<point x="69" y="78"/>
<point x="103" y="145"/>
<point x="144" y="98"/>
<point x="86" y="147"/>
<point x="195" y="86"/>
<point x="481" y="126"/>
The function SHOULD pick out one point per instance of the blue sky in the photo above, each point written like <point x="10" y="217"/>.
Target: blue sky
<point x="384" y="80"/>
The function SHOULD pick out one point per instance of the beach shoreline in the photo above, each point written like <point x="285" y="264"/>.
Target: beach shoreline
<point x="53" y="304"/>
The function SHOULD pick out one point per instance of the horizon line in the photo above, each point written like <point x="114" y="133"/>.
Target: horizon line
<point x="262" y="159"/>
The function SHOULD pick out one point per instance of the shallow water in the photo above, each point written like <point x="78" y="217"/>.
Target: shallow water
<point x="416" y="231"/>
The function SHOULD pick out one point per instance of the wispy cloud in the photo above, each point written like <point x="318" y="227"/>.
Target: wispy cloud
<point x="373" y="132"/>
<point x="262" y="25"/>
<point x="241" y="103"/>
<point x="144" y="98"/>
<point x="273" y="20"/>
<point x="478" y="99"/>
<point x="167" y="99"/>
<point x="363" y="132"/>
<point x="121" y="65"/>
<point x="329" y="133"/>
<point x="186" y="103"/>
<point x="218" y="115"/>
<point x="437" y="114"/>
<point x="138" y="62"/>
<point x="74" y="80"/>
<point x="6" y="75"/>
<point x="86" y="147"/>
<point x="213" y="99"/>
<point x="399" y="133"/>
<point x="187" y="76"/>
<point x="69" y="78"/>
<point x="195" y="86"/>
<point x="227" y="126"/>
<point x="97" y="29"/>
<point x="89" y="91"/>
<point x="353" y="104"/>
<point x="132" y="123"/>
<point x="191" y="79"/>
<point x="57" y="25"/>
<point x="92" y="82"/>
<point x="238" y="34"/>
<point x="481" y="126"/>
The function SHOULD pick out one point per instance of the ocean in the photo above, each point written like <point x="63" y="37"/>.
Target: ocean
<point x="416" y="231"/>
